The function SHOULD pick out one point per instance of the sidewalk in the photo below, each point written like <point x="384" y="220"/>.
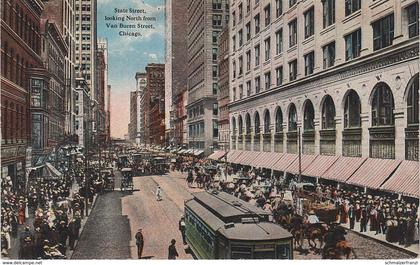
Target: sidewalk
<point x="413" y="249"/>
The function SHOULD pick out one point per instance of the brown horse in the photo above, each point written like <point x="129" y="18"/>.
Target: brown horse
<point x="342" y="250"/>
<point x="298" y="237"/>
<point x="316" y="233"/>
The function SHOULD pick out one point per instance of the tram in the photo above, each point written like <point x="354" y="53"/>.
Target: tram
<point x="221" y="226"/>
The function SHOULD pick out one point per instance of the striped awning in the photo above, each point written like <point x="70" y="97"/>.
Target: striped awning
<point x="232" y="155"/>
<point x="306" y="160"/>
<point x="247" y="157"/>
<point x="373" y="172"/>
<point x="405" y="180"/>
<point x="285" y="161"/>
<point x="266" y="159"/>
<point x="343" y="168"/>
<point x="319" y="166"/>
<point x="217" y="155"/>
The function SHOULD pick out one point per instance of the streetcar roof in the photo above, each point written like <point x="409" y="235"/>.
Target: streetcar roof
<point x="260" y="231"/>
<point x="228" y="207"/>
<point x="126" y="169"/>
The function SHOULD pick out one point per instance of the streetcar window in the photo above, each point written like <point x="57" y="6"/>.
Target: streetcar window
<point x="283" y="251"/>
<point x="241" y="252"/>
<point x="264" y="254"/>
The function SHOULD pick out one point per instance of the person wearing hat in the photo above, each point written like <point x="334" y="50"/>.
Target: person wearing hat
<point x="139" y="242"/>
<point x="172" y="253"/>
<point x="182" y="228"/>
<point x="363" y="219"/>
<point x="158" y="193"/>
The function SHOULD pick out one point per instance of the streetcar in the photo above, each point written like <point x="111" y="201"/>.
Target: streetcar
<point x="221" y="226"/>
<point x="127" y="179"/>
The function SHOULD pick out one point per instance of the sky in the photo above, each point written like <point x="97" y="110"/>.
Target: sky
<point x="128" y="55"/>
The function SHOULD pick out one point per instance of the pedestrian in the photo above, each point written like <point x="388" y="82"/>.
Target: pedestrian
<point x="172" y="253"/>
<point x="182" y="229"/>
<point x="352" y="216"/>
<point x="363" y="219"/>
<point x="158" y="193"/>
<point x="73" y="229"/>
<point x="139" y="242"/>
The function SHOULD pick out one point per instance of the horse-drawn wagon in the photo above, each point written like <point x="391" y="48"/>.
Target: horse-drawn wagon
<point x="127" y="179"/>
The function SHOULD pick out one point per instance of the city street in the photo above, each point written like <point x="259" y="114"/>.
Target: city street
<point x="110" y="230"/>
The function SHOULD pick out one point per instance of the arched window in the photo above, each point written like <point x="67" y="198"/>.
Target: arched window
<point x="352" y="110"/>
<point x="279" y="120"/>
<point x="308" y="116"/>
<point x="247" y="124"/>
<point x="257" y="123"/>
<point x="233" y="125"/>
<point x="413" y="102"/>
<point x="240" y="125"/>
<point x="292" y="118"/>
<point x="382" y="106"/>
<point x="267" y="121"/>
<point x="328" y="113"/>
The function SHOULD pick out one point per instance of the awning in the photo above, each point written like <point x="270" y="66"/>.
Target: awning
<point x="217" y="155"/>
<point x="266" y="159"/>
<point x="306" y="160"/>
<point x="405" y="180"/>
<point x="247" y="157"/>
<point x="232" y="155"/>
<point x="319" y="166"/>
<point x="373" y="173"/>
<point x="51" y="171"/>
<point x="285" y="161"/>
<point x="343" y="168"/>
<point x="198" y="152"/>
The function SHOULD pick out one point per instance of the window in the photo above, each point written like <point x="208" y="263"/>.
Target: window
<point x="234" y="43"/>
<point x="215" y="109"/>
<point x="214" y="71"/>
<point x="279" y="8"/>
<point x="257" y="23"/>
<point x="292" y="3"/>
<point x="383" y="32"/>
<point x="217" y="20"/>
<point x="248" y="6"/>
<point x="257" y="124"/>
<point x="328" y="55"/>
<point x="266" y="121"/>
<point x="413" y="20"/>
<point x="292" y="70"/>
<point x="413" y="102"/>
<point x="217" y="4"/>
<point x="215" y="88"/>
<point x="215" y="129"/>
<point x="267" y="13"/>
<point x="279" y="41"/>
<point x="248" y="61"/>
<point x="241" y="91"/>
<point x="240" y="11"/>
<point x="293" y="33"/>
<point x="257" y="85"/>
<point x="247" y="124"/>
<point x="309" y="63"/>
<point x="248" y="88"/>
<point x="309" y="22"/>
<point x="234" y="94"/>
<point x="233" y="18"/>
<point x="328" y="114"/>
<point x="234" y="69"/>
<point x="382" y="106"/>
<point x="240" y="126"/>
<point x="267" y="49"/>
<point x="352" y="6"/>
<point x="279" y="76"/>
<point x="328" y="12"/>
<point x="257" y="55"/>
<point x="215" y="35"/>
<point x="267" y="78"/>
<point x="352" y="110"/>
<point x="214" y="54"/>
<point x="248" y="31"/>
<point x="279" y="121"/>
<point x="241" y="65"/>
<point x="308" y="117"/>
<point x="353" y="44"/>
<point x="292" y="118"/>
<point x="241" y="38"/>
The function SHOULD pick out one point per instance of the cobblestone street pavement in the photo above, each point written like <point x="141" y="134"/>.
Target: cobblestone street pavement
<point x="110" y="230"/>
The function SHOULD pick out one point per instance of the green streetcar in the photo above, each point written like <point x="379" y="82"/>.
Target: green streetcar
<point x="221" y="226"/>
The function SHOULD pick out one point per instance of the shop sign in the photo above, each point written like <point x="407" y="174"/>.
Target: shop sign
<point x="8" y="152"/>
<point x="28" y="157"/>
<point x="19" y="166"/>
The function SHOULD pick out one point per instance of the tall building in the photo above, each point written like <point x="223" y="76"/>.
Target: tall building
<point x="102" y="84"/>
<point x="205" y="22"/>
<point x="83" y="113"/>
<point x="108" y="113"/>
<point x="132" y="127"/>
<point x="141" y="85"/>
<point x="85" y="55"/>
<point x="223" y="85"/>
<point x="154" y="105"/>
<point x="62" y="14"/>
<point x="20" y="59"/>
<point x="175" y="72"/>
<point x="344" y="74"/>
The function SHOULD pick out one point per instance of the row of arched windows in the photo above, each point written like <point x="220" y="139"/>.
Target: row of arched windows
<point x="382" y="106"/>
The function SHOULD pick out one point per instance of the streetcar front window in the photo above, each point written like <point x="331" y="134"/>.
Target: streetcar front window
<point x="264" y="252"/>
<point x="241" y="252"/>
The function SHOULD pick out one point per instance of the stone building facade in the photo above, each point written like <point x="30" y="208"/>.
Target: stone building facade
<point x="205" y="22"/>
<point x="132" y="126"/>
<point x="141" y="85"/>
<point x="342" y="73"/>
<point x="223" y="85"/>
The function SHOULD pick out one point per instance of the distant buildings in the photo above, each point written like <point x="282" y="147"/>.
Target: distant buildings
<point x="102" y="83"/>
<point x="132" y="126"/>
<point x="141" y="85"/>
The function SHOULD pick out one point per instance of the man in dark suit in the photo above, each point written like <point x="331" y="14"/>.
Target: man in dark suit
<point x="139" y="243"/>
<point x="352" y="216"/>
<point x="363" y="219"/>
<point x="172" y="253"/>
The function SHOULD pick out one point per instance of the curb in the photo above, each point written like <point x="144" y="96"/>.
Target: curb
<point x="82" y="226"/>
<point x="391" y="245"/>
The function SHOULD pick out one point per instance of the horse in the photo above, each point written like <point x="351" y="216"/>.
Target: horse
<point x="298" y="237"/>
<point x="342" y="250"/>
<point x="316" y="233"/>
